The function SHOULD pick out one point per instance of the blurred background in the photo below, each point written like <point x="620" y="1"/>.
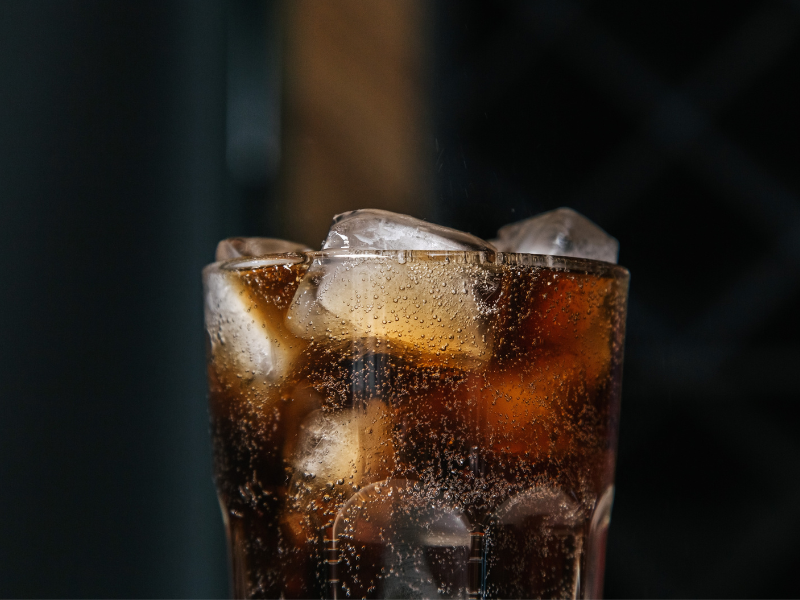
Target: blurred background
<point x="135" y="135"/>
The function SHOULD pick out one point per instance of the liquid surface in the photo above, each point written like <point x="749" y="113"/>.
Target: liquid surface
<point x="414" y="427"/>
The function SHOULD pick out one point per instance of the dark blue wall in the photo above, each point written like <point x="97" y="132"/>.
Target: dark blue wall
<point x="113" y="191"/>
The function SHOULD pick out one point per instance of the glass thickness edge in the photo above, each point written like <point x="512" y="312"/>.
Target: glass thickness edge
<point x="560" y="263"/>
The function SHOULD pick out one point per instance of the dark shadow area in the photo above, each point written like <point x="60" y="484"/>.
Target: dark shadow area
<point x="112" y="187"/>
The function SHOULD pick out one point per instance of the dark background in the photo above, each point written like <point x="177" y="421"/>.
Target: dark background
<point x="674" y="125"/>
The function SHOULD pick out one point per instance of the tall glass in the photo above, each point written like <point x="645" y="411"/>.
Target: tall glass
<point x="411" y="424"/>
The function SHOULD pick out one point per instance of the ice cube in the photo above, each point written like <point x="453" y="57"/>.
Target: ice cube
<point x="433" y="307"/>
<point x="398" y="508"/>
<point x="542" y="525"/>
<point x="420" y="546"/>
<point x="555" y="506"/>
<point x="328" y="449"/>
<point x="247" y="335"/>
<point x="338" y="450"/>
<point x="255" y="246"/>
<point x="560" y="232"/>
<point x="375" y="229"/>
<point x="434" y="310"/>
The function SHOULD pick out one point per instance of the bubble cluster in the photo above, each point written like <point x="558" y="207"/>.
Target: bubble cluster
<point x="412" y="423"/>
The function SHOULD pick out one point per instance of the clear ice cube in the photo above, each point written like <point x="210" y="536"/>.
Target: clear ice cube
<point x="328" y="449"/>
<point x="551" y="504"/>
<point x="540" y="526"/>
<point x="560" y="232"/>
<point x="337" y="450"/>
<point x="376" y="229"/>
<point x="248" y="339"/>
<point x="420" y="547"/>
<point x="255" y="246"/>
<point x="434" y="310"/>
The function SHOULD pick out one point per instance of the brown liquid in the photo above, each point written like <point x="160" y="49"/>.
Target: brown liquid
<point x="506" y="455"/>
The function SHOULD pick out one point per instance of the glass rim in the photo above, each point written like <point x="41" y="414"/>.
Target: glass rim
<point x="560" y="263"/>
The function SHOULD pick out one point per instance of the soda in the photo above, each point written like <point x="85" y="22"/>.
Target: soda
<point x="413" y="423"/>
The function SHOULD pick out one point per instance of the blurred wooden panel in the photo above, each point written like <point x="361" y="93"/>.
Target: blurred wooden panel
<point x="354" y="111"/>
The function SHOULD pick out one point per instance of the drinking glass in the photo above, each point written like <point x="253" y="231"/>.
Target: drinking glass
<point x="415" y="424"/>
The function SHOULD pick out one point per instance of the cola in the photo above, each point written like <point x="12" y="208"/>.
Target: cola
<point x="415" y="423"/>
